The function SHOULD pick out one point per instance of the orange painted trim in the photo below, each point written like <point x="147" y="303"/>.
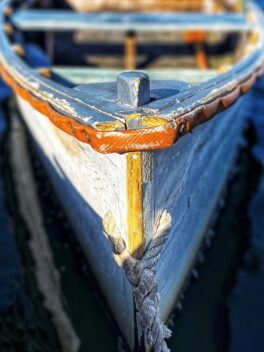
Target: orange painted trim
<point x="158" y="137"/>
<point x="195" y="37"/>
<point x="200" y="56"/>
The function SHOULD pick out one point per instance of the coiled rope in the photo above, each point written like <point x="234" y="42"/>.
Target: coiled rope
<point x="141" y="273"/>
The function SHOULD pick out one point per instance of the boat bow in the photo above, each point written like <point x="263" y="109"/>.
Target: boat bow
<point x="97" y="116"/>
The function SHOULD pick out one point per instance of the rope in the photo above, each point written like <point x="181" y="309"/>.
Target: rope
<point x="141" y="273"/>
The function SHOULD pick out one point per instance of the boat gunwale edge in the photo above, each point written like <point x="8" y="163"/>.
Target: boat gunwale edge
<point x="152" y="138"/>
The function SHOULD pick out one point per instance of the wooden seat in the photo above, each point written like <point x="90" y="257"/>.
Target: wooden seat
<point x="132" y="17"/>
<point x="155" y="5"/>
<point x="137" y="5"/>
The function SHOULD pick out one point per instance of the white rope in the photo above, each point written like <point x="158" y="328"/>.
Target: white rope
<point x="141" y="273"/>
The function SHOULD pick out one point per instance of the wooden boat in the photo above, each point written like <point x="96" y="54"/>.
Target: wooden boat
<point x="132" y="179"/>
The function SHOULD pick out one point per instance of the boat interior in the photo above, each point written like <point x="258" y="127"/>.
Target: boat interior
<point x="85" y="42"/>
<point x="199" y="63"/>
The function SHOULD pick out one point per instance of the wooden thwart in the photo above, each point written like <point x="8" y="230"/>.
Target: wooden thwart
<point x="62" y="20"/>
<point x="150" y="5"/>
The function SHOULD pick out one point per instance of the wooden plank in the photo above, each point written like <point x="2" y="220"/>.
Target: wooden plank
<point x="157" y="5"/>
<point x="190" y="192"/>
<point x="137" y="5"/>
<point x="97" y="188"/>
<point x="62" y="20"/>
<point x="148" y="196"/>
<point x="135" y="207"/>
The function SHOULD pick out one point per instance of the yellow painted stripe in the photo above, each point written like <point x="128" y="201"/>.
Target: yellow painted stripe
<point x="135" y="208"/>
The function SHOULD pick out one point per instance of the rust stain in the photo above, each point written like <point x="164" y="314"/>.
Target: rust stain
<point x="134" y="204"/>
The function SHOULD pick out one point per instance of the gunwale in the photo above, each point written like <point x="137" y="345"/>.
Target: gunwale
<point x="69" y="111"/>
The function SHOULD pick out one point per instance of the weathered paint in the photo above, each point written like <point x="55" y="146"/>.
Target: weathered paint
<point x="138" y="5"/>
<point x="89" y="186"/>
<point x="135" y="205"/>
<point x="188" y="198"/>
<point x="159" y="137"/>
<point x="133" y="88"/>
<point x="183" y="111"/>
<point x="193" y="174"/>
<point x="37" y="20"/>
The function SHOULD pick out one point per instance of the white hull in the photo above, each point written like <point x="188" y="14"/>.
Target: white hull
<point x="187" y="180"/>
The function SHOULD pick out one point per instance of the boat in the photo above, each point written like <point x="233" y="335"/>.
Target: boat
<point x="138" y="159"/>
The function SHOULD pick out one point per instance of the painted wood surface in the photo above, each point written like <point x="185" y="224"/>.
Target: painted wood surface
<point x="188" y="180"/>
<point x="84" y="75"/>
<point x="143" y="5"/>
<point x="62" y="20"/>
<point x="155" y="5"/>
<point x="135" y="206"/>
<point x="88" y="119"/>
<point x="89" y="185"/>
